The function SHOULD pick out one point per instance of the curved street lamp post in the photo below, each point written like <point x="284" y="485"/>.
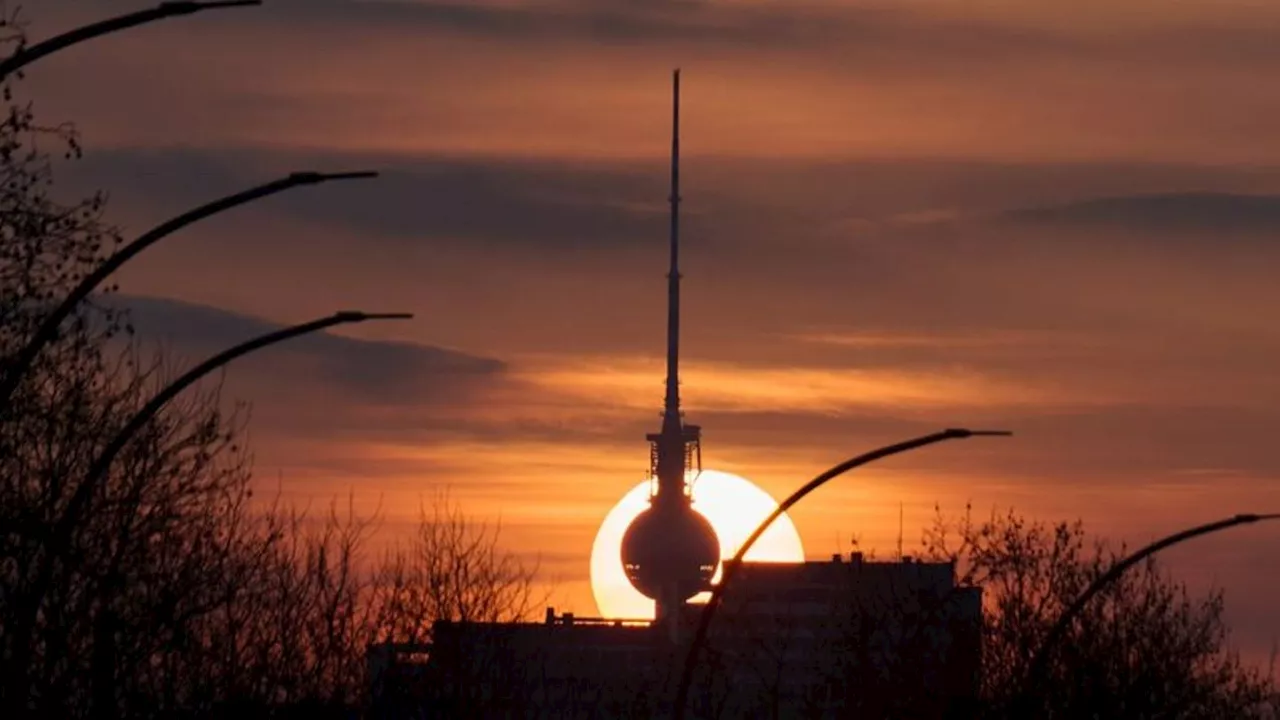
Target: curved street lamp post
<point x="48" y="329"/>
<point x="102" y="464"/>
<point x="104" y="650"/>
<point x="1040" y="661"/>
<point x="59" y="538"/>
<point x="27" y="55"/>
<point x="730" y="567"/>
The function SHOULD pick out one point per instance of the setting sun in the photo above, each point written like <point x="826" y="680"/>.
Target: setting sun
<point x="734" y="505"/>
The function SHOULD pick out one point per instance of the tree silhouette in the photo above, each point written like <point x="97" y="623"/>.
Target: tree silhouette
<point x="1145" y="648"/>
<point x="171" y="593"/>
<point x="452" y="570"/>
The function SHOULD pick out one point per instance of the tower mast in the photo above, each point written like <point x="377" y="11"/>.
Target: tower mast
<point x="670" y="551"/>
<point x="671" y="407"/>
<point x="675" y="450"/>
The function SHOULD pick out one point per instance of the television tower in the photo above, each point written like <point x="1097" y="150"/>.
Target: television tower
<point x="670" y="551"/>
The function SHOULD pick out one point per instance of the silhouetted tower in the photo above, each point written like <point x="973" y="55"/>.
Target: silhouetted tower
<point x="670" y="551"/>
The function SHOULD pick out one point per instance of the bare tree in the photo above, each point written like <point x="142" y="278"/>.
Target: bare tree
<point x="1145" y="648"/>
<point x="107" y="607"/>
<point x="454" y="569"/>
<point x="167" y="592"/>
<point x="60" y="570"/>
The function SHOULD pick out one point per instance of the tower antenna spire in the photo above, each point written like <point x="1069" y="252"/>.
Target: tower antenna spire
<point x="671" y="406"/>
<point x="670" y="551"/>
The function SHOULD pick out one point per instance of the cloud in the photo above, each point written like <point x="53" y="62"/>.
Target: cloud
<point x="602" y="20"/>
<point x="717" y="386"/>
<point x="561" y="212"/>
<point x="1210" y="214"/>
<point x="555" y="79"/>
<point x="564" y="214"/>
<point x="993" y="340"/>
<point x="531" y="205"/>
<point x="568" y="257"/>
<point x="378" y="372"/>
<point x="760" y="25"/>
<point x="966" y="33"/>
<point x="780" y="311"/>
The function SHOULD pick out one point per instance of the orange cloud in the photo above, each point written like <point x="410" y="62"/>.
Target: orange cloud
<point x="635" y="382"/>
<point x="824" y="80"/>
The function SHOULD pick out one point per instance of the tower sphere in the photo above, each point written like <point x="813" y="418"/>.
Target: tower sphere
<point x="670" y="544"/>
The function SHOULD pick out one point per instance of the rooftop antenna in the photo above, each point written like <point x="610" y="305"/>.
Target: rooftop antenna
<point x="899" y="531"/>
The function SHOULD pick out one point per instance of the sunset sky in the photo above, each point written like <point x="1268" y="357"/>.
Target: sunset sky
<point x="1055" y="218"/>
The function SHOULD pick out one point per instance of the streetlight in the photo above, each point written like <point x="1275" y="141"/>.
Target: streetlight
<point x="98" y="470"/>
<point x="1040" y="660"/>
<point x="62" y="530"/>
<point x="26" y="56"/>
<point x="730" y="567"/>
<point x="49" y="328"/>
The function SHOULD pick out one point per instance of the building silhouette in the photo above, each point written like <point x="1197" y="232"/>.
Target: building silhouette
<point x="842" y="638"/>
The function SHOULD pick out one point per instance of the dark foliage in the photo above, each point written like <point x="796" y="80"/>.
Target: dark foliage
<point x="1145" y="648"/>
<point x="168" y="593"/>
